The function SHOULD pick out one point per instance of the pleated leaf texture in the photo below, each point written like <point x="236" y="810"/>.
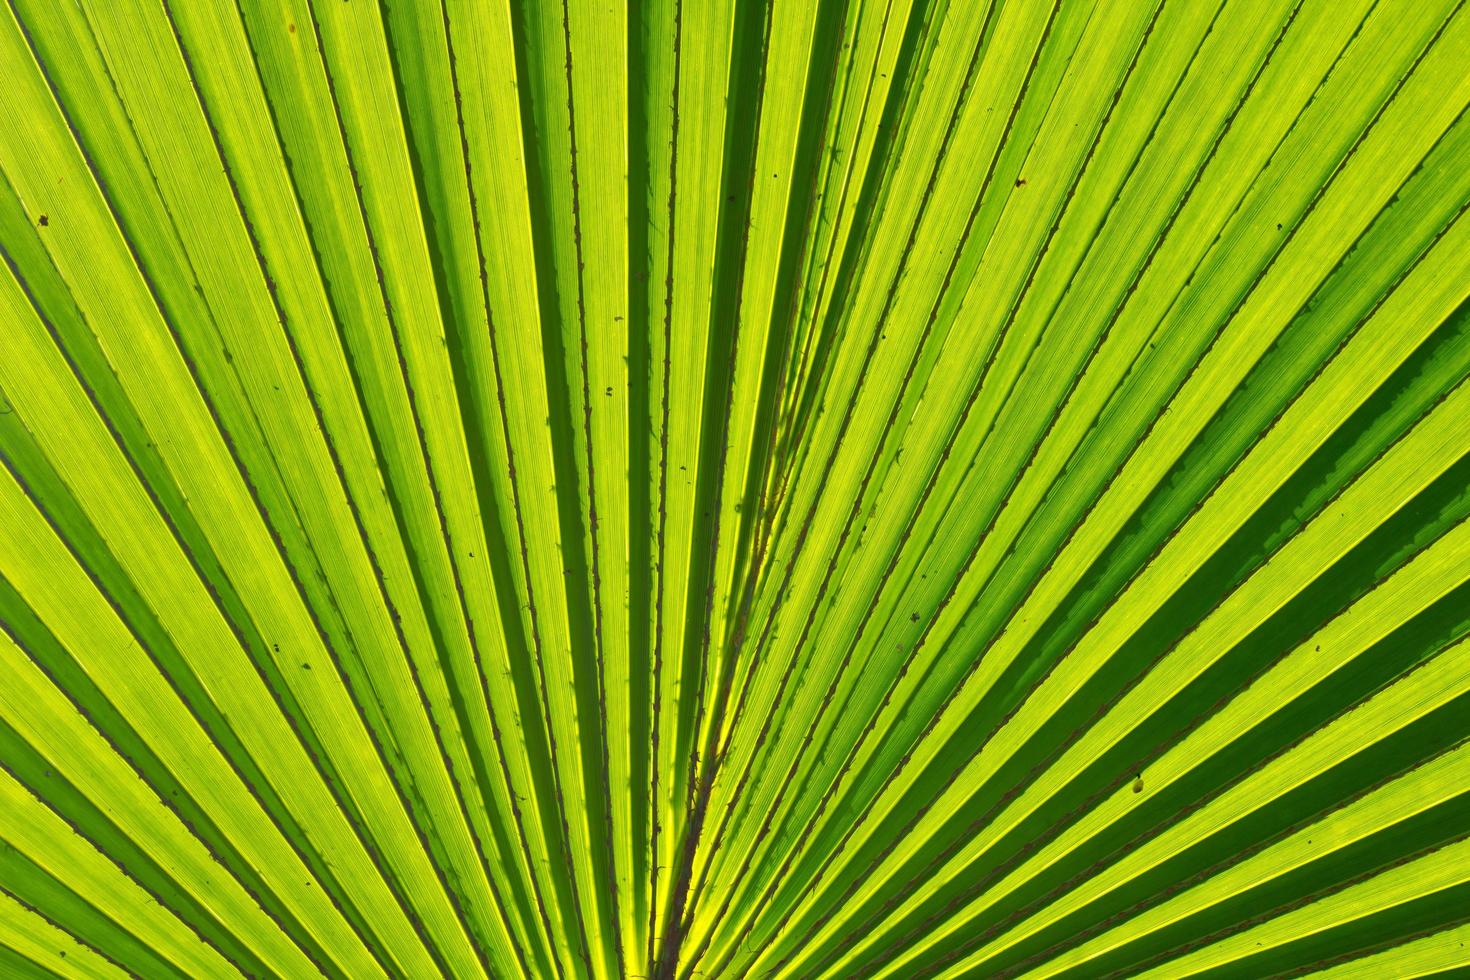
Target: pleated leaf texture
<point x="673" y="489"/>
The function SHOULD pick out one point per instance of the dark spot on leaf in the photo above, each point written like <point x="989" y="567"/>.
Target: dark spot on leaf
<point x="43" y="221"/>
<point x="1138" y="784"/>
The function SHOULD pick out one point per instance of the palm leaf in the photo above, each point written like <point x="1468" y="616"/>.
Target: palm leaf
<point x="747" y="488"/>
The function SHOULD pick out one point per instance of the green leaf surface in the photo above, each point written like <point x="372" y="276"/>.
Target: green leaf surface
<point x="734" y="488"/>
